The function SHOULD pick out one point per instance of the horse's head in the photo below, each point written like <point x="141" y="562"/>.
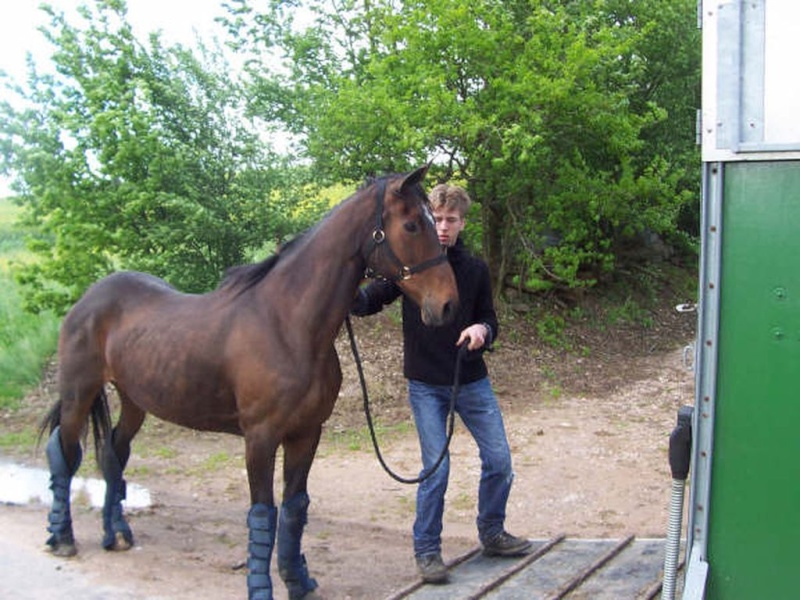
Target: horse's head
<point x="406" y="248"/>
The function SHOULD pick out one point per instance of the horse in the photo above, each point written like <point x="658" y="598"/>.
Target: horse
<point x="255" y="358"/>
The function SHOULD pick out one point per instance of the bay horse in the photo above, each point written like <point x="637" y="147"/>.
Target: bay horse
<point x="254" y="358"/>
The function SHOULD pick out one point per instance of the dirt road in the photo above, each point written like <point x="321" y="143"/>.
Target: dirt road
<point x="590" y="461"/>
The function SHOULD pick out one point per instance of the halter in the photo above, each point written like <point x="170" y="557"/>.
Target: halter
<point x="379" y="240"/>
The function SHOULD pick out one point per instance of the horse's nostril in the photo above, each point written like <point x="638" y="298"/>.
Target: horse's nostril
<point x="448" y="311"/>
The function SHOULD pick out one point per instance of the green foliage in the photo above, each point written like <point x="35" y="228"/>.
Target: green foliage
<point x="572" y="123"/>
<point x="630" y="311"/>
<point x="133" y="157"/>
<point x="550" y="329"/>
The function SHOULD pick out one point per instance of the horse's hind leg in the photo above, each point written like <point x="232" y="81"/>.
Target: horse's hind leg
<point x="61" y="541"/>
<point x="79" y="391"/>
<point x="117" y="534"/>
<point x="292" y="567"/>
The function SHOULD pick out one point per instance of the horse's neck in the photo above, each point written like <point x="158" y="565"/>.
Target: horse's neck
<point x="319" y="279"/>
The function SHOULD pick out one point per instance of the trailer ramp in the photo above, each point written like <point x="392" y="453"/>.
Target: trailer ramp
<point x="561" y="567"/>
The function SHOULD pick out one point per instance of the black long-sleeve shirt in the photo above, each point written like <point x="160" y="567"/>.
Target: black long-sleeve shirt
<point x="429" y="353"/>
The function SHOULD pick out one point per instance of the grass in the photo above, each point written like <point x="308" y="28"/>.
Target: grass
<point x="8" y="211"/>
<point x="218" y="461"/>
<point x="357" y="440"/>
<point x="163" y="452"/>
<point x="26" y="340"/>
<point x="12" y="236"/>
<point x="26" y="439"/>
<point x="463" y="501"/>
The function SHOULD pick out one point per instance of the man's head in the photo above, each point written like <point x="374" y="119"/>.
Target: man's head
<point x="449" y="204"/>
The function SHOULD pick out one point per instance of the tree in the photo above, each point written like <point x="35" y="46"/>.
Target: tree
<point x="134" y="157"/>
<point x="556" y="114"/>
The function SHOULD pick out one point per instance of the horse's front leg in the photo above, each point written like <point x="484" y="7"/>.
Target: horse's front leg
<point x="261" y="520"/>
<point x="298" y="456"/>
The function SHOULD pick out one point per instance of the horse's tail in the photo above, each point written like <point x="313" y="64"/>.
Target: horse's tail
<point x="51" y="420"/>
<point x="101" y="422"/>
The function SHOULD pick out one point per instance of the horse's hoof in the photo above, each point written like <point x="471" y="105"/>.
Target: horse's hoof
<point x="118" y="541"/>
<point x="62" y="550"/>
<point x="121" y="543"/>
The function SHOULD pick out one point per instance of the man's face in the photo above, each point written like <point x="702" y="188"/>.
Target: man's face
<point x="449" y="224"/>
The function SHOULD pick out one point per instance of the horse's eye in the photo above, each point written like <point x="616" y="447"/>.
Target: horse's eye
<point x="410" y="227"/>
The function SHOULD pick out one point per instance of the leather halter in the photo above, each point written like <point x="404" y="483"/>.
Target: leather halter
<point x="379" y="240"/>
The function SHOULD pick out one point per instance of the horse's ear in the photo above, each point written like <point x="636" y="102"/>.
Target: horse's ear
<point x="414" y="178"/>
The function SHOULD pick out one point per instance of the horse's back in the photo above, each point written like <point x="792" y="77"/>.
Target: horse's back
<point x="107" y="300"/>
<point x="124" y="283"/>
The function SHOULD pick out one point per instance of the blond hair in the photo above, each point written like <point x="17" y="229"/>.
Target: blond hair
<point x="449" y="197"/>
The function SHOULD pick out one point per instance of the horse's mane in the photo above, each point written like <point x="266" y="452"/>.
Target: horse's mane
<point x="242" y="277"/>
<point x="369" y="180"/>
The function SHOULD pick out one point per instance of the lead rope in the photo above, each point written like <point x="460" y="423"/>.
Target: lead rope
<point x="452" y="414"/>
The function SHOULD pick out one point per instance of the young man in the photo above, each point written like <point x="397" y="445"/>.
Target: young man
<point x="430" y="355"/>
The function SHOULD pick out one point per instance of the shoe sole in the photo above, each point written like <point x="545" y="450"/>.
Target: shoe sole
<point x="510" y="552"/>
<point x="436" y="580"/>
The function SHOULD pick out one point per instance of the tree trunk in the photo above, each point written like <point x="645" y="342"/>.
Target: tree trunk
<point x="493" y="243"/>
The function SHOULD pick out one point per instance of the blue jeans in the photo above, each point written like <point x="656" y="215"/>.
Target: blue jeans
<point x="477" y="406"/>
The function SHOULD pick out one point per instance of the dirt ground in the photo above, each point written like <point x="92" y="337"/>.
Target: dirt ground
<point x="588" y="425"/>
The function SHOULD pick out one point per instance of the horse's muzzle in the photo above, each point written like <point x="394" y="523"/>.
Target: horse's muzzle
<point x="435" y="314"/>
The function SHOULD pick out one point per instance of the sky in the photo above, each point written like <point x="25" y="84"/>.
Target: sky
<point x="177" y="19"/>
<point x="180" y="21"/>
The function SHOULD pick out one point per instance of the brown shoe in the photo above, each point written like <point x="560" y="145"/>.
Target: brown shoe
<point x="432" y="569"/>
<point x="505" y="544"/>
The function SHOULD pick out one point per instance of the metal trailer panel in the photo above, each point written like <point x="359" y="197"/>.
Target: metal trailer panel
<point x="744" y="477"/>
<point x="754" y="507"/>
<point x="750" y="90"/>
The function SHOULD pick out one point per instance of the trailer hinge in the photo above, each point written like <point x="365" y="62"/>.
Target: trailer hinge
<point x="698" y="127"/>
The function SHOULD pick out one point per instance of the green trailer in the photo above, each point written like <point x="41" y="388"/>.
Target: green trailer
<point x="743" y="524"/>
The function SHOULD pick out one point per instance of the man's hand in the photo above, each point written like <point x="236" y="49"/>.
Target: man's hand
<point x="476" y="334"/>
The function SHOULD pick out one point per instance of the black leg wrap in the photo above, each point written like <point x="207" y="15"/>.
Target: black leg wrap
<point x="261" y="523"/>
<point x="60" y="518"/>
<point x="291" y="563"/>
<point x="113" y="520"/>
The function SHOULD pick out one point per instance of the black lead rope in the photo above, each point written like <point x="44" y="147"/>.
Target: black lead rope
<point x="452" y="414"/>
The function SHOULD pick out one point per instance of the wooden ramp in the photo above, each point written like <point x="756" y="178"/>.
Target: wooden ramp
<point x="573" y="569"/>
